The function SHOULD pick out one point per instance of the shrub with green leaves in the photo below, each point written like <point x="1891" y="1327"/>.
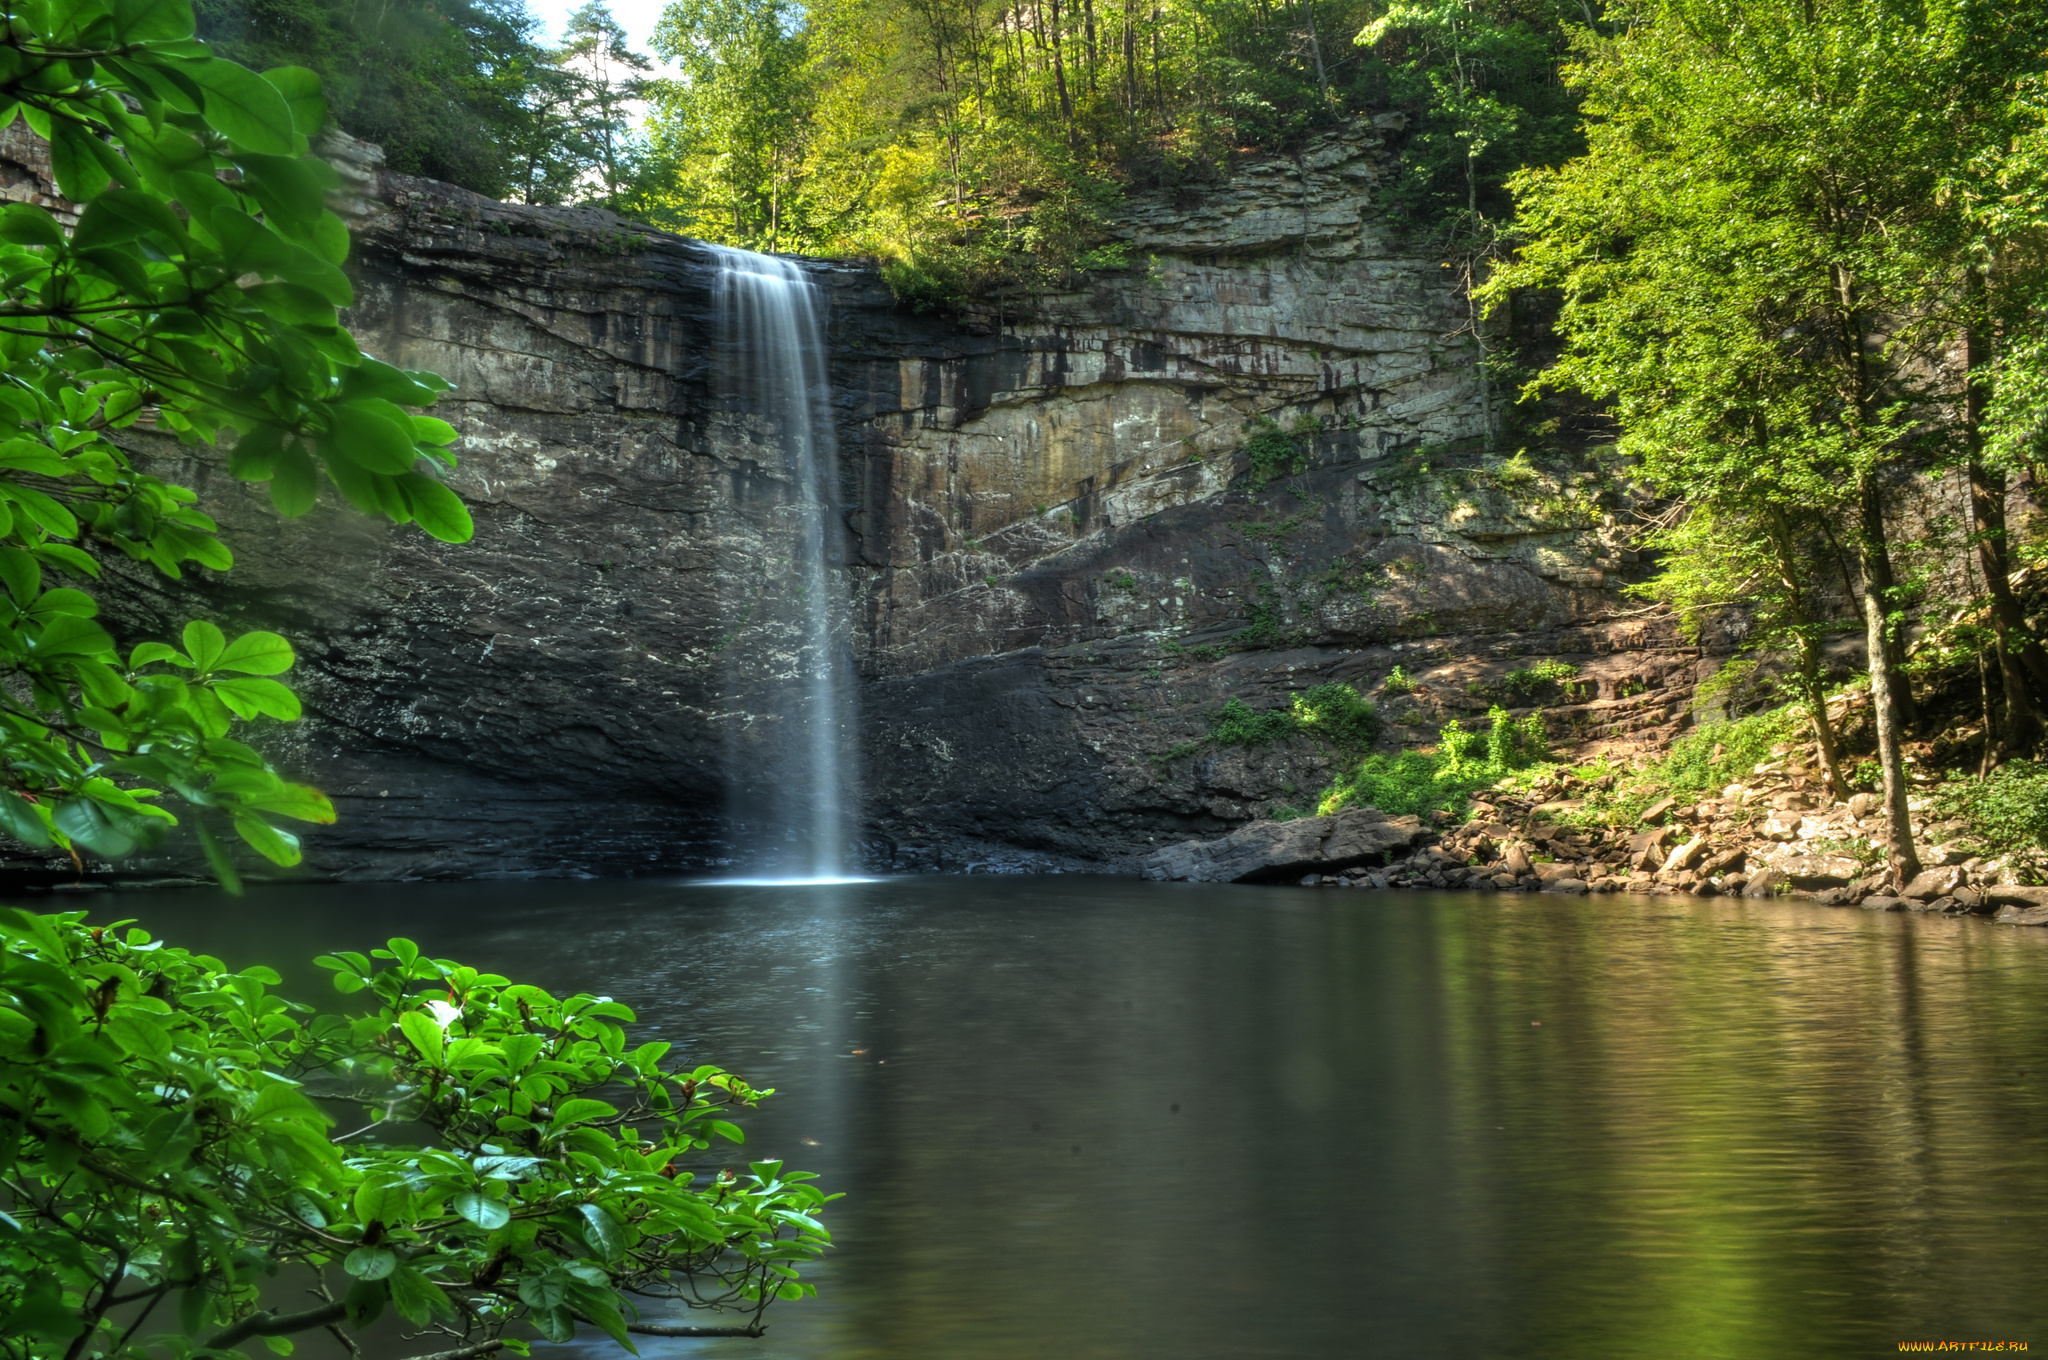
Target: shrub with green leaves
<point x="1422" y="783"/>
<point x="1271" y="453"/>
<point x="1529" y="679"/>
<point x="1239" y="724"/>
<point x="1339" y="715"/>
<point x="196" y="298"/>
<point x="1333" y="713"/>
<point x="2007" y="810"/>
<point x="1700" y="764"/>
<point x="171" y="1166"/>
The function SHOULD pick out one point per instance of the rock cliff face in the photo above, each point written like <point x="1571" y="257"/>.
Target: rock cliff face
<point x="1247" y="463"/>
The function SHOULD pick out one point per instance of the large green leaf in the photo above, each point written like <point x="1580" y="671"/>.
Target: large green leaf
<point x="248" y="698"/>
<point x="279" y="847"/>
<point x="104" y="831"/>
<point x="122" y="215"/>
<point x="370" y="1263"/>
<point x="297" y="800"/>
<point x="205" y="644"/>
<point x="425" y="1035"/>
<point x="370" y="438"/>
<point x="295" y="484"/>
<point x="301" y="90"/>
<point x="480" y="1209"/>
<point x="70" y="635"/>
<point x="256" y="653"/>
<point x="28" y="225"/>
<point x="140" y="21"/>
<point x="21" y="821"/>
<point x="243" y="107"/>
<point x="436" y="509"/>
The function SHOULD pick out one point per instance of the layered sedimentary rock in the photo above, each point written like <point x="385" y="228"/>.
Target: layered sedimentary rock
<point x="1275" y="852"/>
<point x="1245" y="463"/>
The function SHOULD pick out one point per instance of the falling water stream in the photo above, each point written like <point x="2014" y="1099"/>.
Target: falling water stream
<point x="770" y="317"/>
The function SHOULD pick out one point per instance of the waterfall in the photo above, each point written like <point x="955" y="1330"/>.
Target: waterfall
<point x="792" y="783"/>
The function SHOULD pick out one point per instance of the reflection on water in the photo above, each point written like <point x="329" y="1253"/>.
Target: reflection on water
<point x="1099" y="1118"/>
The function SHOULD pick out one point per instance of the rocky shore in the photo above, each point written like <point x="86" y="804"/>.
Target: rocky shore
<point x="1751" y="841"/>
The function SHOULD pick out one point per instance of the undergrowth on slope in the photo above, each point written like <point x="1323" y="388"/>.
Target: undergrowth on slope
<point x="1334" y="713"/>
<point x="1420" y="783"/>
<point x="2007" y="811"/>
<point x="1699" y="764"/>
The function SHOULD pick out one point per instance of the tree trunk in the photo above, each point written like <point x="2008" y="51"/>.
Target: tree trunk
<point x="1088" y="28"/>
<point x="1315" y="47"/>
<point x="1131" y="61"/>
<point x="1991" y="741"/>
<point x="1059" y="72"/>
<point x="1811" y="680"/>
<point x="2022" y="664"/>
<point x="1877" y="572"/>
<point x="1904" y="861"/>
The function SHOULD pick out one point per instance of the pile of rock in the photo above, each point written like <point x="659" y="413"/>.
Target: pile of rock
<point x="1746" y="842"/>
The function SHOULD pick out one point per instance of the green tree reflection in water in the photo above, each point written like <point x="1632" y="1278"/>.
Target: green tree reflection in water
<point x="1761" y="1126"/>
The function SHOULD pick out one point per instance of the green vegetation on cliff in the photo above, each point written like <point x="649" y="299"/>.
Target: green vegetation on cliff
<point x="1443" y="780"/>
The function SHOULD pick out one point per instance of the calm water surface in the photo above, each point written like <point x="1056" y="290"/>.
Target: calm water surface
<point x="1100" y="1118"/>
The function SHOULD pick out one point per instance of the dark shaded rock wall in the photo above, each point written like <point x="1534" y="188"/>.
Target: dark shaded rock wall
<point x="1059" y="565"/>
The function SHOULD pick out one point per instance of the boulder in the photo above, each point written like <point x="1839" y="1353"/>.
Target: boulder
<point x="1687" y="855"/>
<point x="1882" y="902"/>
<point x="1517" y="860"/>
<point x="1818" y="871"/>
<point x="1764" y="883"/>
<point x="1564" y="885"/>
<point x="1932" y="883"/>
<point x="2022" y="916"/>
<point x="1782" y="826"/>
<point x="1861" y="805"/>
<point x="1726" y="860"/>
<point x="1658" y="811"/>
<point x="1791" y="802"/>
<point x="1656" y="838"/>
<point x="1975" y="900"/>
<point x="2014" y="895"/>
<point x="1273" y="852"/>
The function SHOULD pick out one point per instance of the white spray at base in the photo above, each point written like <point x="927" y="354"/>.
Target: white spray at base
<point x="771" y="319"/>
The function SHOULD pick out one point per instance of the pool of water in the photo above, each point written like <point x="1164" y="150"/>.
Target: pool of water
<point x="1080" y="1118"/>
